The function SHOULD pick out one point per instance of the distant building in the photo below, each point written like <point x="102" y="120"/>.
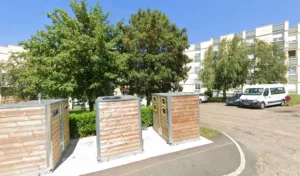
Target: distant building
<point x="5" y="53"/>
<point x="287" y="37"/>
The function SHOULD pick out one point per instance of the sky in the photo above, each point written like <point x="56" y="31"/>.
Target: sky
<point x="204" y="19"/>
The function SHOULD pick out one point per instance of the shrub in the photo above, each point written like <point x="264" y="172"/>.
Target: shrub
<point x="209" y="93"/>
<point x="147" y="116"/>
<point x="83" y="124"/>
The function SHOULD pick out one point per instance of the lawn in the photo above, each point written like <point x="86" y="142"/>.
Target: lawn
<point x="295" y="99"/>
<point x="209" y="133"/>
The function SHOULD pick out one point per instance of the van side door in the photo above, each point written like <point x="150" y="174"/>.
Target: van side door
<point x="275" y="96"/>
<point x="266" y="94"/>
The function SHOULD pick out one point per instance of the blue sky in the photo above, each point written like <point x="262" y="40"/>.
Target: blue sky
<point x="204" y="19"/>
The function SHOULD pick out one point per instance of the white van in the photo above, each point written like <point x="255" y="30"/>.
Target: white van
<point x="263" y="95"/>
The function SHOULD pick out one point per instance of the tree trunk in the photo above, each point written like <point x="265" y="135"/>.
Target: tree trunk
<point x="148" y="97"/>
<point x="91" y="105"/>
<point x="224" y="94"/>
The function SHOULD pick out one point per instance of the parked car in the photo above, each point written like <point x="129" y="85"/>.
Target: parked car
<point x="234" y="100"/>
<point x="263" y="95"/>
<point x="203" y="98"/>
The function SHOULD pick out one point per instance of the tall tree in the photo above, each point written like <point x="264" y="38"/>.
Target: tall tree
<point x="268" y="63"/>
<point x="232" y="68"/>
<point x="227" y="68"/>
<point x="74" y="56"/>
<point x="153" y="48"/>
<point x="207" y="75"/>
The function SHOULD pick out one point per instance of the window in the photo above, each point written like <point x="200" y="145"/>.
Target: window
<point x="197" y="86"/>
<point x="292" y="39"/>
<point x="292" y="70"/>
<point x="277" y="39"/>
<point x="197" y="69"/>
<point x="266" y="92"/>
<point x="253" y="91"/>
<point x="292" y="53"/>
<point x="277" y="90"/>
<point x="197" y="47"/>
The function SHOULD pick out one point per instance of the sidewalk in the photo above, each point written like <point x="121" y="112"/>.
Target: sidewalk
<point x="218" y="158"/>
<point x="80" y="157"/>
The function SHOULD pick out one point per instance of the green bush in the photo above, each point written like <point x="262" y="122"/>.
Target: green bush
<point x="209" y="93"/>
<point x="147" y="116"/>
<point x="82" y="124"/>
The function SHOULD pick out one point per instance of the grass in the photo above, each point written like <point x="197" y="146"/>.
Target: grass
<point x="295" y="99"/>
<point x="209" y="133"/>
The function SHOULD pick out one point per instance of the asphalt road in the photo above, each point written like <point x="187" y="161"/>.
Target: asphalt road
<point x="270" y="137"/>
<point x="219" y="158"/>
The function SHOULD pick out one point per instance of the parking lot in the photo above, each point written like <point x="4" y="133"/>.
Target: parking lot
<point x="270" y="136"/>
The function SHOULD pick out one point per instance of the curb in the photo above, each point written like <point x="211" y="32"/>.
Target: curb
<point x="240" y="169"/>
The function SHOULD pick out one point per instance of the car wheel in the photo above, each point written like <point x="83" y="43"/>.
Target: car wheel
<point x="262" y="105"/>
<point x="200" y="101"/>
<point x="282" y="103"/>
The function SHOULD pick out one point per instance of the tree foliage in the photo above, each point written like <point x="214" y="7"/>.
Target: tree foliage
<point x="153" y="48"/>
<point x="74" y="56"/>
<point x="235" y="62"/>
<point x="226" y="68"/>
<point x="232" y="68"/>
<point x="207" y="75"/>
<point x="268" y="63"/>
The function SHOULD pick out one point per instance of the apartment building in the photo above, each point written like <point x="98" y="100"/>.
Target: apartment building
<point x="282" y="34"/>
<point x="7" y="51"/>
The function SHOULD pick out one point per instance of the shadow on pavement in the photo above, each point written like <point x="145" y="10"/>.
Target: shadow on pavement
<point x="68" y="152"/>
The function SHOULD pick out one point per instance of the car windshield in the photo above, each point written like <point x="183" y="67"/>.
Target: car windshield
<point x="253" y="91"/>
<point x="237" y="95"/>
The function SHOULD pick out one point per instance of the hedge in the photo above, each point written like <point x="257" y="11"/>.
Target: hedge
<point x="83" y="124"/>
<point x="147" y="116"/>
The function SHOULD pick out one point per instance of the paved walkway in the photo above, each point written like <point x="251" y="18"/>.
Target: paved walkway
<point x="219" y="158"/>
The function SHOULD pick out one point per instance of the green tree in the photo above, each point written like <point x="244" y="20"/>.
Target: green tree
<point x="226" y="68"/>
<point x="74" y="56"/>
<point x="268" y="63"/>
<point x="207" y="75"/>
<point x="153" y="58"/>
<point x="232" y="69"/>
<point x="14" y="69"/>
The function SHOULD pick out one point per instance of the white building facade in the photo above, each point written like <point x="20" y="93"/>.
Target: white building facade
<point x="285" y="36"/>
<point x="5" y="53"/>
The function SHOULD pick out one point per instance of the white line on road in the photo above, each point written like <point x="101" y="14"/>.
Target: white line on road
<point x="240" y="169"/>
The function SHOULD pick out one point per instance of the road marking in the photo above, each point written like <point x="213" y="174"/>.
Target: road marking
<point x="240" y="169"/>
